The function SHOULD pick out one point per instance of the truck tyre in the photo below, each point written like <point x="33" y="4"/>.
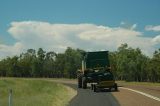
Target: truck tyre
<point x="115" y="87"/>
<point x="79" y="81"/>
<point x="92" y="86"/>
<point x="96" y="89"/>
<point x="84" y="83"/>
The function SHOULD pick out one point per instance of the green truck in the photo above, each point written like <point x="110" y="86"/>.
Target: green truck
<point x="96" y="71"/>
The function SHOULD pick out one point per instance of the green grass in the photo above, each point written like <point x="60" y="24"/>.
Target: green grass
<point x="33" y="92"/>
<point x="139" y="83"/>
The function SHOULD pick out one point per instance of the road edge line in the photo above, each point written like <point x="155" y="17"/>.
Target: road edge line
<point x="142" y="93"/>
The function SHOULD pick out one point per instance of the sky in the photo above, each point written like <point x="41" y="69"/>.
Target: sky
<point x="91" y="25"/>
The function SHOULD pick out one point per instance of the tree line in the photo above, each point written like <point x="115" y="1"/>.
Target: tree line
<point x="42" y="64"/>
<point x="126" y="64"/>
<point x="132" y="65"/>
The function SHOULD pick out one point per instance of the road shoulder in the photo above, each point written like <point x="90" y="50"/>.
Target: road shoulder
<point x="130" y="98"/>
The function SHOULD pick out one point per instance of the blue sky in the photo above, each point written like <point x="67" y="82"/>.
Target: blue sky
<point x="107" y="13"/>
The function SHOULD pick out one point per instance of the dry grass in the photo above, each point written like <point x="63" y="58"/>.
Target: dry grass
<point x="34" y="92"/>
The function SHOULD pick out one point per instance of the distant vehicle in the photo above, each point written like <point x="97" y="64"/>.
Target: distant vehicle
<point x="96" y="70"/>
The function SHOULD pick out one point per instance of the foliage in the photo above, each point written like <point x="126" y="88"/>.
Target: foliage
<point x="131" y="65"/>
<point x="42" y="64"/>
<point x="127" y="64"/>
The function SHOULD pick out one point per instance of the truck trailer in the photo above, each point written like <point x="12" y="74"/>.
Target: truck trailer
<point x="96" y="70"/>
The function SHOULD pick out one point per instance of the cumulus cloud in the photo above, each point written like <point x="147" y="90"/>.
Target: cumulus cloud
<point x="153" y="28"/>
<point x="156" y="39"/>
<point x="6" y="50"/>
<point x="57" y="37"/>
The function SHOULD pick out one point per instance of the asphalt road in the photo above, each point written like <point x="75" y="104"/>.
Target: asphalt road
<point x="86" y="97"/>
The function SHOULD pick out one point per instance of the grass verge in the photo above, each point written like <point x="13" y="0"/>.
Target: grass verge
<point x="31" y="92"/>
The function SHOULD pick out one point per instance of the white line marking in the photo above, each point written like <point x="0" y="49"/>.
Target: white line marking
<point x="142" y="93"/>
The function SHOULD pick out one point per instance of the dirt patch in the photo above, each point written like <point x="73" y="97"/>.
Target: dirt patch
<point x="129" y="98"/>
<point x="152" y="90"/>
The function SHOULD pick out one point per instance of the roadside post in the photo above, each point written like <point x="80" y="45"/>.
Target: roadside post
<point x="10" y="97"/>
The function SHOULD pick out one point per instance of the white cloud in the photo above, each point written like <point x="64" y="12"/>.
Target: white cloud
<point x="122" y="23"/>
<point x="134" y="26"/>
<point x="152" y="28"/>
<point x="34" y="34"/>
<point x="13" y="50"/>
<point x="156" y="39"/>
<point x="128" y="25"/>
